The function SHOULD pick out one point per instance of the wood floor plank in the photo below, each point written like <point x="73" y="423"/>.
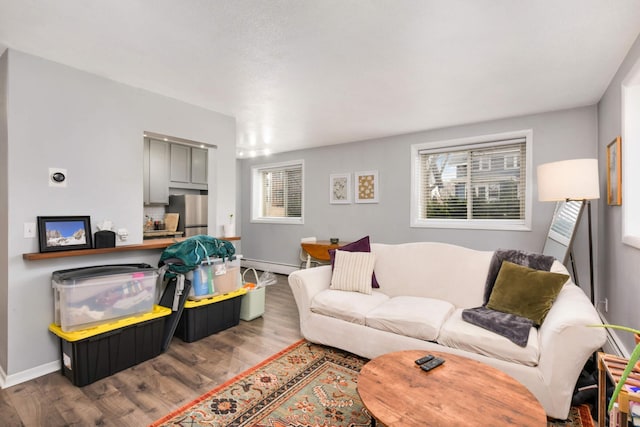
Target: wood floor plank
<point x="150" y="390"/>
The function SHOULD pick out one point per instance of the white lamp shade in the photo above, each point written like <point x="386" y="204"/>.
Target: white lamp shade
<point x="569" y="179"/>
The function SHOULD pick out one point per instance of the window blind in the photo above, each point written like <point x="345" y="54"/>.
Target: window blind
<point x="282" y="192"/>
<point x="477" y="181"/>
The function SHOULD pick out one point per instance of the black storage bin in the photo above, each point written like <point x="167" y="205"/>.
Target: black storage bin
<point x="92" y="354"/>
<point x="208" y="316"/>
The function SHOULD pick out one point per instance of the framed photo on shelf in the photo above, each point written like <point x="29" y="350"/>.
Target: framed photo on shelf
<point x="367" y="188"/>
<point x="614" y="172"/>
<point x="340" y="188"/>
<point x="64" y="233"/>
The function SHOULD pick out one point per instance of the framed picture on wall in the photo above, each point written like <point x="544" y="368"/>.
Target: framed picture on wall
<point x="64" y="233"/>
<point x="614" y="172"/>
<point x="367" y="188"/>
<point x="340" y="188"/>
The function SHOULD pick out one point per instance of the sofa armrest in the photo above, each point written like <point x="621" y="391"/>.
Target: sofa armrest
<point x="305" y="284"/>
<point x="566" y="340"/>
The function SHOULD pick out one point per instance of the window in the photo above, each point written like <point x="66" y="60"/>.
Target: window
<point x="277" y="193"/>
<point x="630" y="154"/>
<point x="484" y="163"/>
<point x="512" y="162"/>
<point x="480" y="182"/>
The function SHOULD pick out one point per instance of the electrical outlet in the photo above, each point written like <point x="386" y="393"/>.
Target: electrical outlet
<point x="29" y="230"/>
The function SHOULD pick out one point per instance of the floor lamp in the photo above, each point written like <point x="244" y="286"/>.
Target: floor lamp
<point x="572" y="180"/>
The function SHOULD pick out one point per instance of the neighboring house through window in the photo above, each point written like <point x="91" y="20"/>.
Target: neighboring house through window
<point x="277" y="193"/>
<point x="481" y="182"/>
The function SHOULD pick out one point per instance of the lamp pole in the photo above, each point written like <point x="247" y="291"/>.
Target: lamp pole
<point x="591" y="281"/>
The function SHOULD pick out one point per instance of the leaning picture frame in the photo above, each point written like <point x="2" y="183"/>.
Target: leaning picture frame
<point x="366" y="187"/>
<point x="614" y="172"/>
<point x="64" y="233"/>
<point x="340" y="188"/>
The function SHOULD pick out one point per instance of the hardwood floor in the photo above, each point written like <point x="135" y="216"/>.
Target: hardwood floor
<point x="148" y="391"/>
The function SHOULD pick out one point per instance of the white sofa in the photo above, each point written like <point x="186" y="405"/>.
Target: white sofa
<point x="424" y="287"/>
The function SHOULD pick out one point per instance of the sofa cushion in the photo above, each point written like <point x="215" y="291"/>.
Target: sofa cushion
<point x="525" y="292"/>
<point x="415" y="317"/>
<point x="352" y="271"/>
<point x="432" y="270"/>
<point x="456" y="333"/>
<point x="361" y="245"/>
<point x="349" y="306"/>
<point x="528" y="259"/>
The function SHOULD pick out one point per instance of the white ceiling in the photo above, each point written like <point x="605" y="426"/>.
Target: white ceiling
<point x="304" y="73"/>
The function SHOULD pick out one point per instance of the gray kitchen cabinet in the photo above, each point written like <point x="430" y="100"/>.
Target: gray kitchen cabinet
<point x="180" y="163"/>
<point x="156" y="171"/>
<point x="198" y="166"/>
<point x="188" y="167"/>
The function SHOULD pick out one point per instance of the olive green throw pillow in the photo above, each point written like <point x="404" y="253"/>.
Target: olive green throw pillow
<point x="525" y="292"/>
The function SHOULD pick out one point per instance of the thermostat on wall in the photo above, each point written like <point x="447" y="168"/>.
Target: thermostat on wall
<point x="57" y="177"/>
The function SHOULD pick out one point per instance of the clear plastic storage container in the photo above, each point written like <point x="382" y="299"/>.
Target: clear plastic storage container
<point x="217" y="278"/>
<point x="90" y="296"/>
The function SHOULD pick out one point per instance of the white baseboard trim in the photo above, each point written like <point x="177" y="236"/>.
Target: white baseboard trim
<point x="29" y="374"/>
<point x="269" y="266"/>
<point x="613" y="344"/>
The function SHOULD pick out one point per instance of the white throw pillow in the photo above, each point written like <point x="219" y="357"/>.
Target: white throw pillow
<point x="352" y="271"/>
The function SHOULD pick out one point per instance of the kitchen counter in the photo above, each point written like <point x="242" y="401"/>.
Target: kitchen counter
<point x="150" y="244"/>
<point x="161" y="233"/>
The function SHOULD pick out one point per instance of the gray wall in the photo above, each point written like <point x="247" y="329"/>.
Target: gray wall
<point x="62" y="117"/>
<point x="557" y="135"/>
<point x="619" y="279"/>
<point x="4" y="213"/>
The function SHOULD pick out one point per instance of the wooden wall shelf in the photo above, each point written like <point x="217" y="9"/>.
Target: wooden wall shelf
<point x="145" y="245"/>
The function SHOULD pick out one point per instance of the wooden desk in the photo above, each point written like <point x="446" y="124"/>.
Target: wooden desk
<point x="460" y="392"/>
<point x="613" y="366"/>
<point x="320" y="249"/>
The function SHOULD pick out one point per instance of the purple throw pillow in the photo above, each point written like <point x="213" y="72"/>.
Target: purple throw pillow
<point x="361" y="245"/>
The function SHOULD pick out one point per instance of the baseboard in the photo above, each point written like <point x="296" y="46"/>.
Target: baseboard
<point x="269" y="266"/>
<point x="29" y="374"/>
<point x="613" y="345"/>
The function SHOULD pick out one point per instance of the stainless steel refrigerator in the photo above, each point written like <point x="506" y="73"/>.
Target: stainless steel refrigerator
<point x="193" y="210"/>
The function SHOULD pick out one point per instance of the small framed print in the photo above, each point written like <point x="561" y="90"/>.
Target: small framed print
<point x="367" y="189"/>
<point x="614" y="172"/>
<point x="64" y="233"/>
<point x="340" y="188"/>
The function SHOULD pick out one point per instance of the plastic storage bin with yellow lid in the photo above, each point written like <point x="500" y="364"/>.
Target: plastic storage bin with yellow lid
<point x="91" y="354"/>
<point x="208" y="316"/>
<point x="90" y="296"/>
<point x="217" y="277"/>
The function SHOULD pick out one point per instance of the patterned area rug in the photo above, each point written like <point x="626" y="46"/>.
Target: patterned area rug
<point x="305" y="385"/>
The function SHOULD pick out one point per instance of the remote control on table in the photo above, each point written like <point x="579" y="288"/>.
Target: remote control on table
<point x="436" y="361"/>
<point x="424" y="359"/>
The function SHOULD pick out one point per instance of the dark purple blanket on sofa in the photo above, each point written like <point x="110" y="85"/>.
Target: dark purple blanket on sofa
<point x="514" y="328"/>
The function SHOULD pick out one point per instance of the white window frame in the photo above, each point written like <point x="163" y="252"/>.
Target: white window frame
<point x="484" y="163"/>
<point x="479" y="224"/>
<point x="256" y="194"/>
<point x="630" y="151"/>
<point x="511" y="162"/>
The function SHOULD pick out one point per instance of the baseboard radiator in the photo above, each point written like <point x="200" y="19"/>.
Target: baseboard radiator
<point x="269" y="266"/>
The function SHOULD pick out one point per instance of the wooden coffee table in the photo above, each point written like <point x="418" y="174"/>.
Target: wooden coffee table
<point x="461" y="392"/>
